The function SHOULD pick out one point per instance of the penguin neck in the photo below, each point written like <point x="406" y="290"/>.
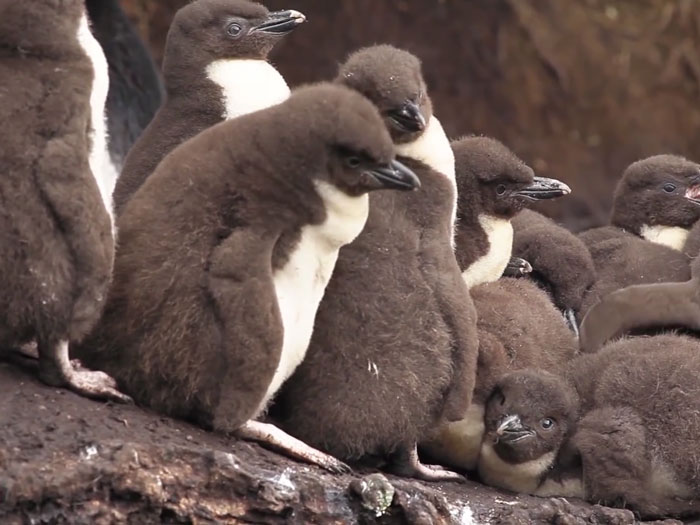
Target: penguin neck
<point x="518" y="477"/>
<point x="101" y="166"/>
<point x="490" y="266"/>
<point x="247" y="85"/>
<point x="671" y="236"/>
<point x="433" y="149"/>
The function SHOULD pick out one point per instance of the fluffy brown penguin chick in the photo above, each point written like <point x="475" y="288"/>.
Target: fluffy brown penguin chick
<point x="394" y="346"/>
<point x="518" y="325"/>
<point x="635" y="442"/>
<point x="643" y="307"/>
<point x="55" y="229"/>
<point x="215" y="68"/>
<point x="656" y="203"/>
<point x="225" y="253"/>
<point x="561" y="262"/>
<point x="529" y="415"/>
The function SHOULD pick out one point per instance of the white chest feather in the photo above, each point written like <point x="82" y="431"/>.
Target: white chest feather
<point x="301" y="282"/>
<point x="457" y="444"/>
<point x="433" y="149"/>
<point x="247" y="85"/>
<point x="490" y="266"/>
<point x="671" y="236"/>
<point x="103" y="170"/>
<point x="520" y="477"/>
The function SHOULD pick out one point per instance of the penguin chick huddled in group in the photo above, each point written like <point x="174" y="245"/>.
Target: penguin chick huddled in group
<point x="518" y="325"/>
<point x="634" y="444"/>
<point x="655" y="205"/>
<point x="215" y="68"/>
<point x="215" y="290"/>
<point x="560" y="262"/>
<point x="394" y="346"/>
<point x="55" y="228"/>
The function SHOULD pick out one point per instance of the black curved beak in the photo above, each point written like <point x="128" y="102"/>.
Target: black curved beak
<point x="511" y="430"/>
<point x="408" y="118"/>
<point x="544" y="188"/>
<point x="693" y="194"/>
<point x="280" y="22"/>
<point x="394" y="176"/>
<point x="517" y="267"/>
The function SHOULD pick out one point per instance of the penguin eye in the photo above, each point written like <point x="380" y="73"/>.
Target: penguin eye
<point x="500" y="189"/>
<point x="547" y="423"/>
<point x="499" y="397"/>
<point x="669" y="188"/>
<point x="234" y="29"/>
<point x="353" y="162"/>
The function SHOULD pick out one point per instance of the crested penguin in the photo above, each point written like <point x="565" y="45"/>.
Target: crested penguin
<point x="371" y="385"/>
<point x="518" y="325"/>
<point x="656" y="203"/>
<point x="55" y="225"/>
<point x="215" y="291"/>
<point x="634" y="441"/>
<point x="215" y="68"/>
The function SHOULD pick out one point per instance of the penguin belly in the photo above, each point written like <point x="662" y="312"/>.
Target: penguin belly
<point x="301" y="282"/>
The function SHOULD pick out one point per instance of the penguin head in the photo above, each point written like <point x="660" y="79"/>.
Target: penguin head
<point x="492" y="180"/>
<point x="45" y="27"/>
<point x="208" y="30"/>
<point x="347" y="136"/>
<point x="530" y="413"/>
<point x="392" y="79"/>
<point x="663" y="190"/>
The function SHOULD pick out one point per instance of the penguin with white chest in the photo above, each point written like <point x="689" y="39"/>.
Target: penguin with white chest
<point x="55" y="224"/>
<point x="215" y="290"/>
<point x="215" y="68"/>
<point x="394" y="346"/>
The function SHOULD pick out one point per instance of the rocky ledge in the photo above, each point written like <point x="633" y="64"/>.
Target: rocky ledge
<point x="65" y="459"/>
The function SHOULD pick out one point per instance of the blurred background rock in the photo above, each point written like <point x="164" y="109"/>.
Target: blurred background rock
<point x="578" y="88"/>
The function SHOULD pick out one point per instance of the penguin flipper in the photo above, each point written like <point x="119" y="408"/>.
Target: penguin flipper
<point x="640" y="306"/>
<point x="66" y="183"/>
<point x="241" y="285"/>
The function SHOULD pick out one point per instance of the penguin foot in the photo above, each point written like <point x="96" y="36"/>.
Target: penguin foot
<point x="407" y="464"/>
<point x="280" y="441"/>
<point x="56" y="369"/>
<point x="570" y="318"/>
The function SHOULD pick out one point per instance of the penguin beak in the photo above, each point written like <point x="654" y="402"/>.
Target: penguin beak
<point x="543" y="188"/>
<point x="393" y="176"/>
<point x="511" y="430"/>
<point x="693" y="194"/>
<point x="408" y="118"/>
<point x="280" y="22"/>
<point x="517" y="267"/>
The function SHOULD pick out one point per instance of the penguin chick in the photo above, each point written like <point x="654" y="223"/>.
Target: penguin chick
<point x="215" y="290"/>
<point x="54" y="227"/>
<point x="655" y="204"/>
<point x="372" y="385"/>
<point x="518" y="325"/>
<point x="561" y="263"/>
<point x="635" y="443"/>
<point x="643" y="307"/>
<point x="215" y="68"/>
<point x="493" y="185"/>
<point x="528" y="416"/>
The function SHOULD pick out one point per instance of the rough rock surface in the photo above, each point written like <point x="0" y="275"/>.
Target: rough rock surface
<point x="68" y="460"/>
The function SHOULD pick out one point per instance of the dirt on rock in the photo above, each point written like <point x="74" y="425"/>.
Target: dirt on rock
<point x="65" y="459"/>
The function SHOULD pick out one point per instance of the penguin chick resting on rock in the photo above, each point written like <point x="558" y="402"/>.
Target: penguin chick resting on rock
<point x="635" y="443"/>
<point x="518" y="325"/>
<point x="225" y="253"/>
<point x="55" y="228"/>
<point x="394" y="346"/>
<point x="655" y="205"/>
<point x="215" y="68"/>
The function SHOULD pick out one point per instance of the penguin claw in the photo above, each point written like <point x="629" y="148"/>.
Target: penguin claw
<point x="570" y="318"/>
<point x="96" y="385"/>
<point x="407" y="464"/>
